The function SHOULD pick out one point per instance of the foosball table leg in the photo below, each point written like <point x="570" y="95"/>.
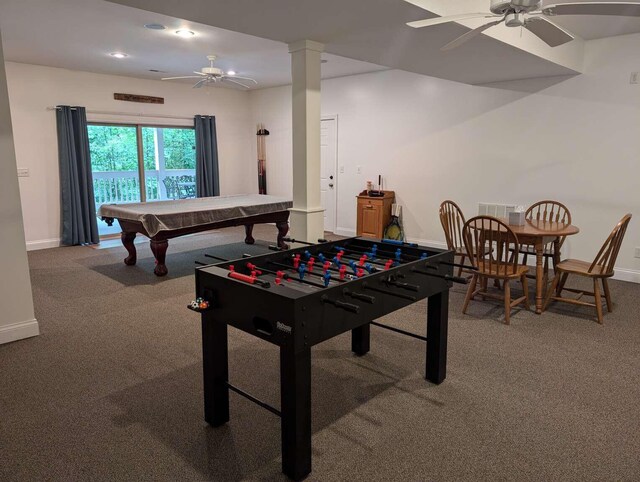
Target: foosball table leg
<point x="215" y="365"/>
<point x="437" y="326"/>
<point x="295" y="406"/>
<point x="360" y="339"/>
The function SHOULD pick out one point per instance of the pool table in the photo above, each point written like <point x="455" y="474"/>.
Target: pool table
<point x="163" y="220"/>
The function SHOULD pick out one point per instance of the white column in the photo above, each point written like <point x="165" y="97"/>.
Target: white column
<point x="16" y="315"/>
<point x="307" y="214"/>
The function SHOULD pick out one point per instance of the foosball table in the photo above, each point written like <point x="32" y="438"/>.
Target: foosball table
<point x="301" y="297"/>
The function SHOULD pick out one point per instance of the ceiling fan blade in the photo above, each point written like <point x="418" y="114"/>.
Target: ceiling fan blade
<point x="199" y="73"/>
<point x="451" y="18"/>
<point x="200" y="83"/>
<point x="183" y="77"/>
<point x="228" y="79"/>
<point x="547" y="31"/>
<point x="622" y="9"/>
<point x="469" y="35"/>
<point x="241" y="78"/>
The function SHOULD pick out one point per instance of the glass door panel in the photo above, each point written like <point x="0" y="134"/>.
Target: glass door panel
<point x="114" y="164"/>
<point x="169" y="162"/>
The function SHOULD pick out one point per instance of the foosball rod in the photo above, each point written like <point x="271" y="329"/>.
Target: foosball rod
<point x="367" y="286"/>
<point x="287" y="276"/>
<point x="355" y="258"/>
<point x="446" y="277"/>
<point x="284" y="266"/>
<point x="387" y="254"/>
<point x="306" y="243"/>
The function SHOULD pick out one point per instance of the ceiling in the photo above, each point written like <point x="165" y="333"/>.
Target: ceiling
<point x="80" y="34"/>
<point x="250" y="37"/>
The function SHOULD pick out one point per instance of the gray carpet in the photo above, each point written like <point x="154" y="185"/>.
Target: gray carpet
<point x="112" y="388"/>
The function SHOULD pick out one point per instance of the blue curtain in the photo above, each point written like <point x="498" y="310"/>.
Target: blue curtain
<point x="79" y="223"/>
<point x="207" y="179"/>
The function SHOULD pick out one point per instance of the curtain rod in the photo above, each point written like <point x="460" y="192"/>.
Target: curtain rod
<point x="131" y="114"/>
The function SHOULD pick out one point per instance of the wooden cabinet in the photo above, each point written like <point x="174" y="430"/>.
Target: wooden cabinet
<point x="374" y="214"/>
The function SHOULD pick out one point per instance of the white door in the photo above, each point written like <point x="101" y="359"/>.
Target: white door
<point x="328" y="161"/>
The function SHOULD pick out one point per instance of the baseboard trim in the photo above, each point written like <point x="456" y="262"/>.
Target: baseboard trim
<point x="43" y="244"/>
<point x="18" y="331"/>
<point x="624" y="274"/>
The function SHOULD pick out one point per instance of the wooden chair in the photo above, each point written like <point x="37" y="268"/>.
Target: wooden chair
<point x="601" y="268"/>
<point x="452" y="221"/>
<point x="548" y="211"/>
<point x="488" y="241"/>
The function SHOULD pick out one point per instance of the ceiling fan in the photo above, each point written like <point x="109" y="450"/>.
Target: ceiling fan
<point x="530" y="15"/>
<point x="212" y="75"/>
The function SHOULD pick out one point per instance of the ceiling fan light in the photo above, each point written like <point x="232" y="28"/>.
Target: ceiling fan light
<point x="231" y="73"/>
<point x="118" y="55"/>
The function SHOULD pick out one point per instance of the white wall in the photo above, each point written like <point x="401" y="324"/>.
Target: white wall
<point x="17" y="319"/>
<point x="574" y="139"/>
<point x="33" y="88"/>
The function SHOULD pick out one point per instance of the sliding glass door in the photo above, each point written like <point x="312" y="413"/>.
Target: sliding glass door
<point x="134" y="163"/>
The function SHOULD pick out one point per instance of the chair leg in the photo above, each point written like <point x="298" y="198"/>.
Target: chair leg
<point x="483" y="286"/>
<point x="470" y="290"/>
<point x="524" y="259"/>
<point x="462" y="259"/>
<point x="554" y="285"/>
<point x="546" y="271"/>
<point x="607" y="294"/>
<point x="507" y="302"/>
<point x="596" y="294"/>
<point x="525" y="288"/>
<point x="560" y="286"/>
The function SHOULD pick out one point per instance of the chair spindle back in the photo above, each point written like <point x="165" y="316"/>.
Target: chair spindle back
<point x="488" y="241"/>
<point x="551" y="212"/>
<point x="452" y="221"/>
<point x="608" y="254"/>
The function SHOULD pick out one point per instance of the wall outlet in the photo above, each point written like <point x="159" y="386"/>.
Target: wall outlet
<point x="635" y="77"/>
<point x="359" y="170"/>
<point x="23" y="172"/>
<point x="637" y="255"/>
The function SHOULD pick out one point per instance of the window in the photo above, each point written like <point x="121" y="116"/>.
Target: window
<point x="165" y="157"/>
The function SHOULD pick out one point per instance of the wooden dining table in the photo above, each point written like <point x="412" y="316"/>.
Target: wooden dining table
<point x="538" y="234"/>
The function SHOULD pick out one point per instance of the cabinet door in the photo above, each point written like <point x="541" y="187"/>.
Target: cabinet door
<point x="370" y="220"/>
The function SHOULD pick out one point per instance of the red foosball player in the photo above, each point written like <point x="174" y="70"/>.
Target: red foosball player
<point x="343" y="271"/>
<point x="296" y="261"/>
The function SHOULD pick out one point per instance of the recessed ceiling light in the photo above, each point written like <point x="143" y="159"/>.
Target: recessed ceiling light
<point x="185" y="33"/>
<point x="118" y="55"/>
<point x="154" y="26"/>
<point x="231" y="73"/>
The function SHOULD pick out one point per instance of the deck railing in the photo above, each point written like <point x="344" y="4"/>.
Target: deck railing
<point x="124" y="186"/>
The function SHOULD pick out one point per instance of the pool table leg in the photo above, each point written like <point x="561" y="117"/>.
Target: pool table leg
<point x="159" y="249"/>
<point x="127" y="241"/>
<point x="283" y="229"/>
<point x="248" y="231"/>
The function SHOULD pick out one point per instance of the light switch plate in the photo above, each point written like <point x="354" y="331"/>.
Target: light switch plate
<point x="341" y="169"/>
<point x="359" y="170"/>
<point x="635" y="77"/>
<point x="23" y="172"/>
<point x="637" y="255"/>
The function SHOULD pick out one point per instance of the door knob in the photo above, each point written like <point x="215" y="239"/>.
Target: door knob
<point x="330" y="184"/>
<point x="330" y="177"/>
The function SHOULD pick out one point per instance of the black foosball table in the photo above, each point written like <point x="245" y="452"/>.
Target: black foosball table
<point x="301" y="297"/>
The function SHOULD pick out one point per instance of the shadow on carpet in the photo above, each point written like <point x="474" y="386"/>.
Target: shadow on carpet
<point x="179" y="264"/>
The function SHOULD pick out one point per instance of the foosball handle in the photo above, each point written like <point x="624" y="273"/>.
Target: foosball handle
<point x="456" y="279"/>
<point x="321" y="240"/>
<point x="360" y="296"/>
